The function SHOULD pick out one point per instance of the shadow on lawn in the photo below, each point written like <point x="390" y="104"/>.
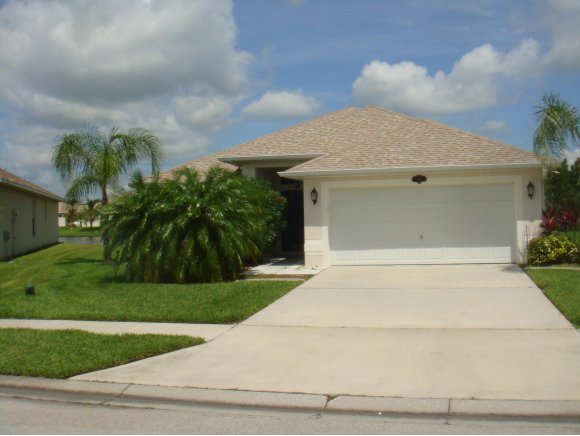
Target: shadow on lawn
<point x="77" y="260"/>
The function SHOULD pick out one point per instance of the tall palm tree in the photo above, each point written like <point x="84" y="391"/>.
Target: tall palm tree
<point x="91" y="160"/>
<point x="558" y="123"/>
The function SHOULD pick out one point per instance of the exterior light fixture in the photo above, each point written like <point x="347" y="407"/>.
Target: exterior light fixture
<point x="419" y="179"/>
<point x="29" y="290"/>
<point x="531" y="189"/>
<point x="314" y="195"/>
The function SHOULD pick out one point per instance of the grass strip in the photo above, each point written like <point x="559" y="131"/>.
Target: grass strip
<point x="79" y="231"/>
<point x="562" y="287"/>
<point x="65" y="353"/>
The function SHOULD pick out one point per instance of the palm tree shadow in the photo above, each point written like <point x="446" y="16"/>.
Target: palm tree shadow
<point x="80" y="260"/>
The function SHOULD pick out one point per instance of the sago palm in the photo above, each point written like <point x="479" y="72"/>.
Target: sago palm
<point x="93" y="161"/>
<point x="189" y="228"/>
<point x="558" y="124"/>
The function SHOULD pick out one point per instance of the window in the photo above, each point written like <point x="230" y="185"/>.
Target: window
<point x="45" y="211"/>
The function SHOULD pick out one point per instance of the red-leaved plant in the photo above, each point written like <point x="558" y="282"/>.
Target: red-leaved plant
<point x="553" y="220"/>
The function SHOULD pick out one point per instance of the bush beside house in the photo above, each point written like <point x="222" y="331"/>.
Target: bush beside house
<point x="553" y="249"/>
<point x="191" y="228"/>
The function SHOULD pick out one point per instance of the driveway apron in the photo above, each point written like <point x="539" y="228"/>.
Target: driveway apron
<point x="449" y="331"/>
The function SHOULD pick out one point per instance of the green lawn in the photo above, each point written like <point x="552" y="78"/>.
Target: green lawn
<point x="79" y="231"/>
<point x="562" y="287"/>
<point x="64" y="353"/>
<point x="72" y="282"/>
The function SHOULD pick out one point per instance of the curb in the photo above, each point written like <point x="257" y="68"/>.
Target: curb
<point x="124" y="394"/>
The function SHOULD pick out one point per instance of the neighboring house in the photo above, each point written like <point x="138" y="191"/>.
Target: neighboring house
<point x="62" y="213"/>
<point x="28" y="216"/>
<point x="370" y="186"/>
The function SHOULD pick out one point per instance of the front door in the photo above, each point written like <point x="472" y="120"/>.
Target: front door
<point x="293" y="235"/>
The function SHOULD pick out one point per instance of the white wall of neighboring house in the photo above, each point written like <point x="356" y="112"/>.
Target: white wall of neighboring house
<point x="31" y="221"/>
<point x="525" y="223"/>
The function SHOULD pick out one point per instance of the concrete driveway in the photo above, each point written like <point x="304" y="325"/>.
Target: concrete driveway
<point x="469" y="331"/>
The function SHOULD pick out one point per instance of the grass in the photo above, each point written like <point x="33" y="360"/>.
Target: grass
<point x="562" y="287"/>
<point x="79" y="231"/>
<point x="72" y="282"/>
<point x="64" y="353"/>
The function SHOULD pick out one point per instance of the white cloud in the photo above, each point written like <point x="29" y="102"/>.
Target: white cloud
<point x="475" y="81"/>
<point x="170" y="66"/>
<point x="494" y="126"/>
<point x="561" y="19"/>
<point x="282" y="105"/>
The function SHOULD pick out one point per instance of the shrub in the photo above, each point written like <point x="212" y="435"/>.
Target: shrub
<point x="564" y="219"/>
<point x="552" y="249"/>
<point x="189" y="228"/>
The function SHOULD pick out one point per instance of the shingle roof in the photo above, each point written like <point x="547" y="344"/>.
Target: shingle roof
<point x="376" y="138"/>
<point x="201" y="165"/>
<point x="8" y="178"/>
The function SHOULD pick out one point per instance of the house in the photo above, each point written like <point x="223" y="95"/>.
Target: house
<point x="370" y="186"/>
<point x="63" y="209"/>
<point x="28" y="216"/>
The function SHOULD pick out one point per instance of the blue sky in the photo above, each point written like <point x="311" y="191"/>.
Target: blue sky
<point x="206" y="75"/>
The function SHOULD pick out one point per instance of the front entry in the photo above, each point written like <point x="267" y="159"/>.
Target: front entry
<point x="293" y="235"/>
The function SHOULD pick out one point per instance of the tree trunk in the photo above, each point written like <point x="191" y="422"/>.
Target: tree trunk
<point x="106" y="248"/>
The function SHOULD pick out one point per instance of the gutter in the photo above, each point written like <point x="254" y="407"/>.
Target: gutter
<point x="298" y="175"/>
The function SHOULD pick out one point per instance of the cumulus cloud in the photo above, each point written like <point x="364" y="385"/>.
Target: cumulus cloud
<point x="282" y="105"/>
<point x="561" y="19"/>
<point x="170" y="66"/>
<point x="475" y="81"/>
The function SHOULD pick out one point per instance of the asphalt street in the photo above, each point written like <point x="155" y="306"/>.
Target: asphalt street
<point x="25" y="416"/>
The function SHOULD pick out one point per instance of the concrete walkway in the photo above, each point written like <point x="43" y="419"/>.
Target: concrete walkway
<point x="206" y="331"/>
<point x="425" y="332"/>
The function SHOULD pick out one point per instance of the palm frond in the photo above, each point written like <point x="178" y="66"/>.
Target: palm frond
<point x="558" y="124"/>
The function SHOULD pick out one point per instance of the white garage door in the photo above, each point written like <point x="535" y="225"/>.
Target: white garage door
<point x="422" y="224"/>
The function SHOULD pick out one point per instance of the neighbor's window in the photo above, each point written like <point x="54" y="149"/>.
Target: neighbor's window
<point x="45" y="211"/>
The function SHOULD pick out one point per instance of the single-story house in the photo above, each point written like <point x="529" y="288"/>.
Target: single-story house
<point x="28" y="216"/>
<point x="370" y="186"/>
<point x="63" y="209"/>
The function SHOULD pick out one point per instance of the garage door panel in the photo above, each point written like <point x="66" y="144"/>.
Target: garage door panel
<point x="458" y="224"/>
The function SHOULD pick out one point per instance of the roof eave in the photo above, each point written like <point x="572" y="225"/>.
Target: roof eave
<point x="289" y="174"/>
<point x="30" y="190"/>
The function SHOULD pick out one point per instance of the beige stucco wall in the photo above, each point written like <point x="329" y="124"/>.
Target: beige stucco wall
<point x="23" y="240"/>
<point x="527" y="211"/>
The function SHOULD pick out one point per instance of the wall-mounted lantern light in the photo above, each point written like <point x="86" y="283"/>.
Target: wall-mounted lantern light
<point x="531" y="189"/>
<point x="419" y="178"/>
<point x="314" y="195"/>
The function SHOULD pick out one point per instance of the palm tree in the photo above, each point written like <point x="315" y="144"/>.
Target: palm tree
<point x="191" y="228"/>
<point x="91" y="160"/>
<point x="558" y="123"/>
<point x="90" y="211"/>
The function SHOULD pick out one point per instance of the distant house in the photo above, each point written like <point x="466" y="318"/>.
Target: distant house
<point x="28" y="216"/>
<point x="81" y="221"/>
